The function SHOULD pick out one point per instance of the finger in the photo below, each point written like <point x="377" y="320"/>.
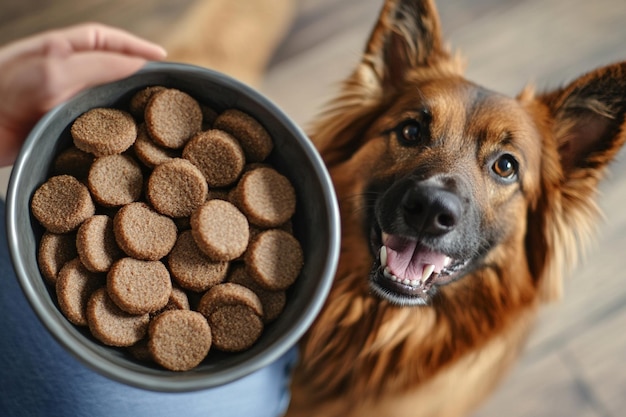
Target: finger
<point x="88" y="69"/>
<point x="98" y="37"/>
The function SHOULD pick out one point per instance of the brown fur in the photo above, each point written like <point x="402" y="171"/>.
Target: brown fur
<point x="365" y="356"/>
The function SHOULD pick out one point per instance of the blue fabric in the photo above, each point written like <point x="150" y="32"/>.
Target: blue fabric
<point x="39" y="378"/>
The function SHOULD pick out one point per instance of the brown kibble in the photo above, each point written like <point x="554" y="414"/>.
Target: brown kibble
<point x="179" y="339"/>
<point x="176" y="188"/>
<point x="61" y="204"/>
<point x="115" y="180"/>
<point x="266" y="197"/>
<point x="148" y="152"/>
<point x="104" y="131"/>
<point x="139" y="287"/>
<point x="218" y="156"/>
<point x="220" y="230"/>
<point x="191" y="268"/>
<point x="254" y="139"/>
<point x="74" y="162"/>
<point x="235" y="327"/>
<point x="235" y="314"/>
<point x="140" y="99"/>
<point x="55" y="250"/>
<point x="273" y="301"/>
<point x="111" y="325"/>
<point x="229" y="294"/>
<point x="172" y="118"/>
<point x="178" y="300"/>
<point x="142" y="233"/>
<point x="95" y="243"/>
<point x="274" y="259"/>
<point x="74" y="287"/>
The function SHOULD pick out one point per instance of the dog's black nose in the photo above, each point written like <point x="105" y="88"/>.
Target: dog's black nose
<point x="431" y="209"/>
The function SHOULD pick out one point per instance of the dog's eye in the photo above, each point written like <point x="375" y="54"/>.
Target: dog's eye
<point x="409" y="132"/>
<point x="505" y="166"/>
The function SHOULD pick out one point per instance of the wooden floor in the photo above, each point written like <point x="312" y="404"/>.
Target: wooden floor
<point x="575" y="364"/>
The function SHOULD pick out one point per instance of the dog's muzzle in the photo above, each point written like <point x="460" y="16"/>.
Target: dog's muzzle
<point x="418" y="237"/>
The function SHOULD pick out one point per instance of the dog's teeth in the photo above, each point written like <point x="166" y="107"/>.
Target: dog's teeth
<point x="387" y="272"/>
<point x="414" y="283"/>
<point x="383" y="256"/>
<point x="447" y="261"/>
<point x="427" y="272"/>
<point x="406" y="281"/>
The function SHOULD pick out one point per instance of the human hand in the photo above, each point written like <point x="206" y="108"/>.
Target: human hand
<point x="41" y="71"/>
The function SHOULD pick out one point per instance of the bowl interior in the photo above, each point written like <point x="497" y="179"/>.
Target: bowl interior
<point x="315" y="222"/>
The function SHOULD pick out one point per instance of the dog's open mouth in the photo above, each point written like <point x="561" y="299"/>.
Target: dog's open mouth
<point x="407" y="272"/>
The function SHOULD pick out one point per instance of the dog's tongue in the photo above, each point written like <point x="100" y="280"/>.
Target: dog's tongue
<point x="407" y="259"/>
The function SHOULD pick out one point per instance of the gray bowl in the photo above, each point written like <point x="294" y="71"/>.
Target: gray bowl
<point x="316" y="225"/>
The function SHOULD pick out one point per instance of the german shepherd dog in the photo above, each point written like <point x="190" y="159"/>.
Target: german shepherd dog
<point x="461" y="211"/>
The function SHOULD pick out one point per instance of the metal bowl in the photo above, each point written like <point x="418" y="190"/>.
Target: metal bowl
<point x="315" y="223"/>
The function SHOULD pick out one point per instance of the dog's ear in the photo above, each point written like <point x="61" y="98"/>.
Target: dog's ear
<point x="407" y="37"/>
<point x="585" y="130"/>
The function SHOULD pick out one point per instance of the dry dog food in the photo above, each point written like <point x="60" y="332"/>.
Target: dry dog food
<point x="172" y="118"/>
<point x="218" y="155"/>
<point x="255" y="140"/>
<point x="111" y="325"/>
<point x="220" y="230"/>
<point x="95" y="243"/>
<point x="190" y="267"/>
<point x="62" y="203"/>
<point x="55" y="250"/>
<point x="179" y="339"/>
<point x="115" y="180"/>
<point x="104" y="131"/>
<point x="235" y="314"/>
<point x="176" y="188"/>
<point x="142" y="233"/>
<point x="139" y="287"/>
<point x="176" y="242"/>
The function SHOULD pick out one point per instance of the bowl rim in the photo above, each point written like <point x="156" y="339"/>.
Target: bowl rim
<point x="177" y="382"/>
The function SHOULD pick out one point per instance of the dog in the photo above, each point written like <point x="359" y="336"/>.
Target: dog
<point x="461" y="208"/>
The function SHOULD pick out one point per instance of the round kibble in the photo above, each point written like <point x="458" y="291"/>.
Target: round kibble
<point x="115" y="180"/>
<point x="74" y="162"/>
<point x="273" y="301"/>
<point x="95" y="243"/>
<point x="266" y="197"/>
<point x="140" y="99"/>
<point x="62" y="203"/>
<point x="218" y="156"/>
<point x="274" y="259"/>
<point x="220" y="230"/>
<point x="148" y="152"/>
<point x="104" y="131"/>
<point x="142" y="233"/>
<point x="111" y="325"/>
<point x="179" y="339"/>
<point x="178" y="300"/>
<point x="234" y="313"/>
<point x="229" y="294"/>
<point x="176" y="188"/>
<point x="74" y="287"/>
<point x="191" y="268"/>
<point x="235" y="327"/>
<point x="254" y="139"/>
<point x="55" y="250"/>
<point x="139" y="287"/>
<point x="172" y="118"/>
